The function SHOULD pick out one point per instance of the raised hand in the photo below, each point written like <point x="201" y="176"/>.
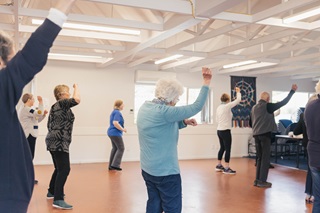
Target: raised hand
<point x="207" y="75"/>
<point x="294" y="87"/>
<point x="39" y="99"/>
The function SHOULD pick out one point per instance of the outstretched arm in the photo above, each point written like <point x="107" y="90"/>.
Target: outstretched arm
<point x="271" y="107"/>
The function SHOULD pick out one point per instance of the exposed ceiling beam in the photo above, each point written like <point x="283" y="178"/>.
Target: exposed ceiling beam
<point x="255" y="33"/>
<point x="277" y="22"/>
<point x="209" y="35"/>
<point x="276" y="69"/>
<point x="7" y="27"/>
<point x="94" y="20"/>
<point x="316" y="74"/>
<point x="87" y="34"/>
<point x="207" y="9"/>
<point x="254" y="42"/>
<point x="180" y="62"/>
<point x="175" y="6"/>
<point x="154" y="40"/>
<point x="234" y="17"/>
<point x="300" y="58"/>
<point x="283" y="7"/>
<point x="205" y="27"/>
<point x="6" y="10"/>
<point x="141" y="60"/>
<point x="299" y="72"/>
<point x="223" y="59"/>
<point x="285" y="49"/>
<point x="16" y="23"/>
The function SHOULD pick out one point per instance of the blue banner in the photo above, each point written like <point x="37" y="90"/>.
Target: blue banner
<point x="241" y="112"/>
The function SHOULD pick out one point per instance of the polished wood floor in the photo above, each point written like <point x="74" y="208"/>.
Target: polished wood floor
<point x="91" y="188"/>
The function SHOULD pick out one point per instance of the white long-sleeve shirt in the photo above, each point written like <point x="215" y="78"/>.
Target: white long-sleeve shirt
<point x="29" y="119"/>
<point x="224" y="113"/>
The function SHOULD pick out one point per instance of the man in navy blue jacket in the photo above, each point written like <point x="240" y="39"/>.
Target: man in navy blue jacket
<point x="16" y="70"/>
<point x="312" y="121"/>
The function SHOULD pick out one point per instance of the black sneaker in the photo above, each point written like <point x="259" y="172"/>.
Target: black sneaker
<point x="229" y="171"/>
<point x="263" y="184"/>
<point x="219" y="168"/>
<point x="115" y="168"/>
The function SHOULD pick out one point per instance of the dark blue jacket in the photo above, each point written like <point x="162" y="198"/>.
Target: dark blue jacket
<point x="16" y="167"/>
<point x="312" y="120"/>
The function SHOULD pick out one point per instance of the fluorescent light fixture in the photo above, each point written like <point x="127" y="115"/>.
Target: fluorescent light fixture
<point x="168" y="59"/>
<point x="242" y="63"/>
<point x="302" y="15"/>
<point x="248" y="67"/>
<point x="94" y="28"/>
<point x="81" y="58"/>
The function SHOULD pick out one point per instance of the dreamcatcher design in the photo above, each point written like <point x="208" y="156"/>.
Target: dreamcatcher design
<point x="241" y="112"/>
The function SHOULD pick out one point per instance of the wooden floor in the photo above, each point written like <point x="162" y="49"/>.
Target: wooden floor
<point x="91" y="188"/>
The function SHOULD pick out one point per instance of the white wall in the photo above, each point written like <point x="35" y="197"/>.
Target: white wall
<point x="99" y="89"/>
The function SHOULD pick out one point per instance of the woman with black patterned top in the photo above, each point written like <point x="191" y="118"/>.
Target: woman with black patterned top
<point x="60" y="123"/>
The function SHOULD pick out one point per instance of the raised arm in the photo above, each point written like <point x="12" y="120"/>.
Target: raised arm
<point x="183" y="112"/>
<point x="272" y="107"/>
<point x="76" y="93"/>
<point x="237" y="100"/>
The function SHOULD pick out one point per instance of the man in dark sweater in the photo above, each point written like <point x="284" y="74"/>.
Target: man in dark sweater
<point x="16" y="70"/>
<point x="312" y="121"/>
<point x="263" y="123"/>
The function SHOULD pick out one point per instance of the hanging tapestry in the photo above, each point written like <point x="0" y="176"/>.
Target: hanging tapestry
<point x="241" y="112"/>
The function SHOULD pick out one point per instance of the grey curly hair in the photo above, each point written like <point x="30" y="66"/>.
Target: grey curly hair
<point x="169" y="90"/>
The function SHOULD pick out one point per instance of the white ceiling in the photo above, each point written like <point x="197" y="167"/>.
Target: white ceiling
<point x="209" y="33"/>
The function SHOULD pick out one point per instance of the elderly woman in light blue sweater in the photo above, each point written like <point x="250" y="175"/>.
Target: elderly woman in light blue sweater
<point x="158" y="125"/>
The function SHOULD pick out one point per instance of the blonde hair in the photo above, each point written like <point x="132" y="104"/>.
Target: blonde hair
<point x="312" y="98"/>
<point x="317" y="87"/>
<point x="225" y="97"/>
<point x="26" y="97"/>
<point x="59" y="90"/>
<point x="117" y="104"/>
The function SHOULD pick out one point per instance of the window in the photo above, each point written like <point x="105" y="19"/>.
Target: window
<point x="290" y="110"/>
<point x="145" y="92"/>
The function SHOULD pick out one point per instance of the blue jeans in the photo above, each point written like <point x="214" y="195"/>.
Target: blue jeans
<point x="316" y="189"/>
<point x="164" y="193"/>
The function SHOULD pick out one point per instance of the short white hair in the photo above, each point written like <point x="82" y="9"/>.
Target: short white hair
<point x="317" y="88"/>
<point x="168" y="90"/>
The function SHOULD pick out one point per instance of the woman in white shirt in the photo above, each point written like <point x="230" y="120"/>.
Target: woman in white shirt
<point x="224" y="118"/>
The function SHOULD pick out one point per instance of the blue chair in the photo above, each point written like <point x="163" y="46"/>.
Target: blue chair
<point x="284" y="126"/>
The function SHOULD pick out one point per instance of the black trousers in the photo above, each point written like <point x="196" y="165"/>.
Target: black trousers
<point x="225" y="144"/>
<point x="32" y="144"/>
<point x="60" y="174"/>
<point x="263" y="146"/>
